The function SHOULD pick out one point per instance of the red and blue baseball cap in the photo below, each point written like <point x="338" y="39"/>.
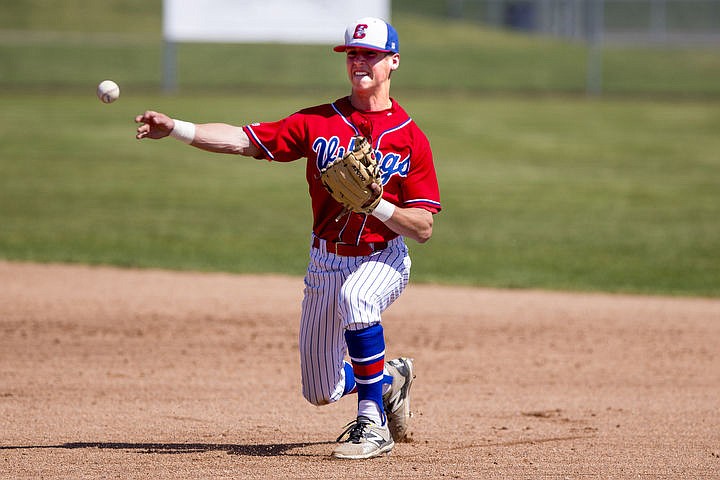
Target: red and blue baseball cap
<point x="371" y="33"/>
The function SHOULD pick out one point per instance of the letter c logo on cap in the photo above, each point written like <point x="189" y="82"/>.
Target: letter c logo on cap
<point x="360" y="31"/>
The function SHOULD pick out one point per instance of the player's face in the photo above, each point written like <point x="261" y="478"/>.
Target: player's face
<point x="367" y="68"/>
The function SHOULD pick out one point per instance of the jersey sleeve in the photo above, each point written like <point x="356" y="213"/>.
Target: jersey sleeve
<point x="420" y="188"/>
<point x="280" y="141"/>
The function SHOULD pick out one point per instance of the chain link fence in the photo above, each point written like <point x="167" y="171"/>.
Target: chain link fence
<point x="598" y="23"/>
<point x="647" y="21"/>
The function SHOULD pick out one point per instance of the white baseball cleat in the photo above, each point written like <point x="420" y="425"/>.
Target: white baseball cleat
<point x="396" y="400"/>
<point x="363" y="439"/>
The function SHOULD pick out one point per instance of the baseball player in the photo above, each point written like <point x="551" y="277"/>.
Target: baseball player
<point x="359" y="263"/>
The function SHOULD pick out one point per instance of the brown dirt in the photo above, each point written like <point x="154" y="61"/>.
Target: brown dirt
<point x="112" y="373"/>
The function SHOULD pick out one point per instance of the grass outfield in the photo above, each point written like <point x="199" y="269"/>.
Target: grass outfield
<point x="542" y="187"/>
<point x="557" y="193"/>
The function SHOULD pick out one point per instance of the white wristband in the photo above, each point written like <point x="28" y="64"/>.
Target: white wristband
<point x="384" y="210"/>
<point x="183" y="131"/>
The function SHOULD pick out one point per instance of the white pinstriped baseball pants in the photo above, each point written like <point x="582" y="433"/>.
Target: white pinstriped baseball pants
<point x="343" y="293"/>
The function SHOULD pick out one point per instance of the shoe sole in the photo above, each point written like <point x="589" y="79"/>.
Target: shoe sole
<point x="385" y="450"/>
<point x="404" y="411"/>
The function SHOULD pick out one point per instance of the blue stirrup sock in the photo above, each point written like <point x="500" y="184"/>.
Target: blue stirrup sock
<point x="350" y="385"/>
<point x="367" y="353"/>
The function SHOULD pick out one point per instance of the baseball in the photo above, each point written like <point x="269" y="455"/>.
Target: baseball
<point x="108" y="91"/>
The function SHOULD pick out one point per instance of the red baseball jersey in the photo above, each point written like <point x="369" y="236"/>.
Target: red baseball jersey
<point x="324" y="133"/>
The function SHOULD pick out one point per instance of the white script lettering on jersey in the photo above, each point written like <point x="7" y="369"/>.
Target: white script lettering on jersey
<point x="328" y="150"/>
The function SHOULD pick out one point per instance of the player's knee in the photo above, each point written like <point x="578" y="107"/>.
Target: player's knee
<point x="317" y="399"/>
<point x="355" y="308"/>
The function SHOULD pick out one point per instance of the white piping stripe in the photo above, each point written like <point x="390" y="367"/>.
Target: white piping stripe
<point x="357" y="132"/>
<point x="422" y="200"/>
<point x="394" y="129"/>
<point x="268" y="152"/>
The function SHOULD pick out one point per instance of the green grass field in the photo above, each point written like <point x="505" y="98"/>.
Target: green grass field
<point x="542" y="186"/>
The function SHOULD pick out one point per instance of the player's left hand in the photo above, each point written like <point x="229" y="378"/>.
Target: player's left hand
<point x="354" y="179"/>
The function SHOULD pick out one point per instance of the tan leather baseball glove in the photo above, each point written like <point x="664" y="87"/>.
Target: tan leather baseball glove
<point x="348" y="179"/>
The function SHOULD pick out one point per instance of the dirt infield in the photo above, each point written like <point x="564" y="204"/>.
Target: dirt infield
<point x="112" y="373"/>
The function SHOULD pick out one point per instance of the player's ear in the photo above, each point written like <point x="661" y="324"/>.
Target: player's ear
<point x="395" y="59"/>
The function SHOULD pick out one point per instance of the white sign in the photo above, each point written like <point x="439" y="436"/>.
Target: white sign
<point x="263" y="21"/>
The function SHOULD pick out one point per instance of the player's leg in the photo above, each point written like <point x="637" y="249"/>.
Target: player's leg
<point x="326" y="377"/>
<point x="366" y="348"/>
<point x="366" y="293"/>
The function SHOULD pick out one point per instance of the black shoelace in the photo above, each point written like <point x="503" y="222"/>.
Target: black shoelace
<point x="355" y="431"/>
